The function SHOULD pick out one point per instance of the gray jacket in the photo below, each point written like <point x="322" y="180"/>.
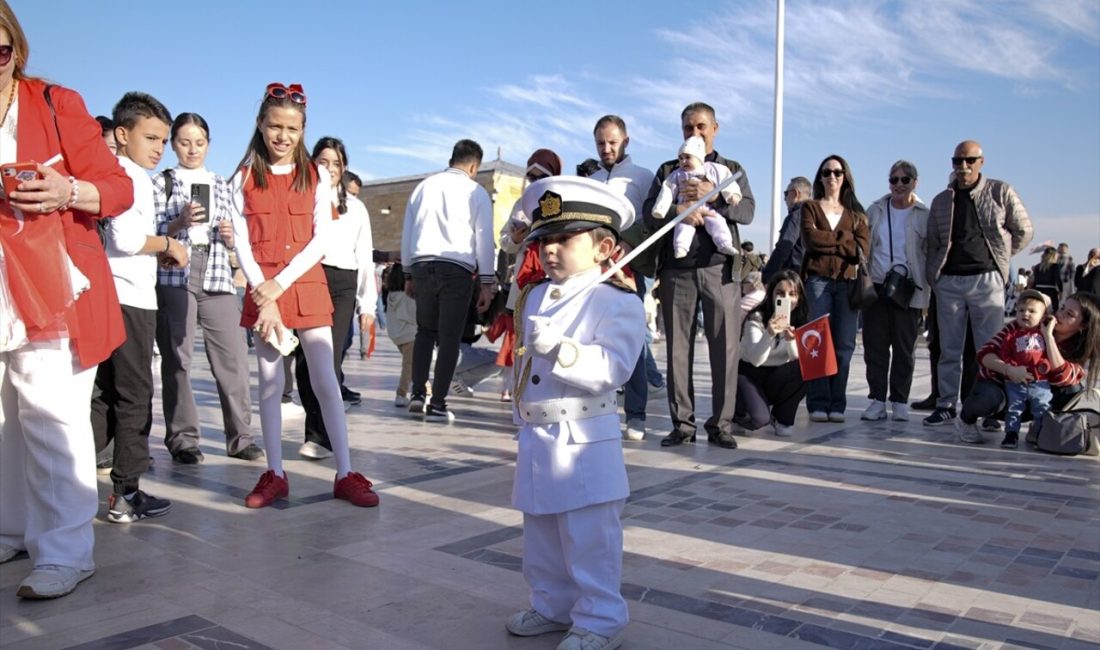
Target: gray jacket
<point x="1001" y="216"/>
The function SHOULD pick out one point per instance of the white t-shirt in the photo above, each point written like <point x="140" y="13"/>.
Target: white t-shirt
<point x="135" y="273"/>
<point x="881" y="262"/>
<point x="833" y="218"/>
<point x="351" y="247"/>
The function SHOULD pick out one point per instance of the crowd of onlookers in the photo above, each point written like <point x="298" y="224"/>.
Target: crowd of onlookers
<point x="282" y="248"/>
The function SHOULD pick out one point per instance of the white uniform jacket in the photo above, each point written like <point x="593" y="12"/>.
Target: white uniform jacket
<point x="567" y="465"/>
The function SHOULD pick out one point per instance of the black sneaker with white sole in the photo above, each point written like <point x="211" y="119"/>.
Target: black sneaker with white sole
<point x="940" y="417"/>
<point x="435" y="413"/>
<point x="416" y="403"/>
<point x="140" y="505"/>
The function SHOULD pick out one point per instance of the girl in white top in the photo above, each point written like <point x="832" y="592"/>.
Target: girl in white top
<point x="282" y="213"/>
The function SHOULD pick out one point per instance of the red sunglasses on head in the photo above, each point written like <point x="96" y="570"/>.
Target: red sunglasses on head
<point x="294" y="92"/>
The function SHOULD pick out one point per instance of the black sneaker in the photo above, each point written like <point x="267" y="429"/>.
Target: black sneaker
<point x="940" y="417"/>
<point x="188" y="457"/>
<point x="926" y="404"/>
<point x="251" y="452"/>
<point x="350" y="396"/>
<point x="991" y="424"/>
<point x="677" y="437"/>
<point x="1011" y="441"/>
<point x="416" y="403"/>
<point x="723" y="439"/>
<point x="439" y="413"/>
<point x="121" y="510"/>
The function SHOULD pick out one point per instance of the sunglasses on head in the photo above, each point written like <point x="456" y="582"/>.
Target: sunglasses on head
<point x="904" y="180"/>
<point x="5" y="53"/>
<point x="293" y="92"/>
<point x="838" y="173"/>
<point x="970" y="160"/>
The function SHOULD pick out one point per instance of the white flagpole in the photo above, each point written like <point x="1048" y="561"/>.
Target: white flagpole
<point x="777" y="139"/>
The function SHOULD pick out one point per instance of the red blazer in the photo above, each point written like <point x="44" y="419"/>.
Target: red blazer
<point x="95" y="325"/>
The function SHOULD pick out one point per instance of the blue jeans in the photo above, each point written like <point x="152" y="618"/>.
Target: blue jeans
<point x="828" y="296"/>
<point x="1035" y="396"/>
<point x="635" y="391"/>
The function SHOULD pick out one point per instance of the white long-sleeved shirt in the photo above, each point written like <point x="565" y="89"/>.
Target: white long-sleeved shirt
<point x="630" y="180"/>
<point x="313" y="251"/>
<point x="449" y="218"/>
<point x="351" y="247"/>
<point x="135" y="274"/>
<point x="762" y="348"/>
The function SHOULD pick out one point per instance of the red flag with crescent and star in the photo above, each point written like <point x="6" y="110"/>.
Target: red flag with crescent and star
<point x="816" y="357"/>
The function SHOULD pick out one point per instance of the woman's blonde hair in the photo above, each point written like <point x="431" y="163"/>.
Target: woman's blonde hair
<point x="20" y="49"/>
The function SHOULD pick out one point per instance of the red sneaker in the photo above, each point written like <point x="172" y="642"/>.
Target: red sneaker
<point x="269" y="488"/>
<point x="357" y="489"/>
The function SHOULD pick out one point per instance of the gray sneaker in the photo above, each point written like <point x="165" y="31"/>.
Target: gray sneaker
<point x="581" y="639"/>
<point x="52" y="581"/>
<point x="531" y="623"/>
<point x="968" y="433"/>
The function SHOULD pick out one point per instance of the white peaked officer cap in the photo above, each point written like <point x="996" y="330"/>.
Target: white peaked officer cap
<point x="562" y="204"/>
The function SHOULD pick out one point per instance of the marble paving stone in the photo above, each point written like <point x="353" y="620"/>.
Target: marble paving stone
<point x="857" y="535"/>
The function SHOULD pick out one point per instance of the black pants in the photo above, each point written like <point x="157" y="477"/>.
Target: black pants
<point x="342" y="285"/>
<point x="122" y="401"/>
<point x="889" y="339"/>
<point x="969" y="360"/>
<point x="443" y="294"/>
<point x="770" y="391"/>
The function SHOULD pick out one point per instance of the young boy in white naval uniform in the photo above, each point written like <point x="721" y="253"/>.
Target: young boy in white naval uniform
<point x="575" y="349"/>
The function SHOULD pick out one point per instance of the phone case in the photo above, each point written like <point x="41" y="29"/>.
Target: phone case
<point x="15" y="173"/>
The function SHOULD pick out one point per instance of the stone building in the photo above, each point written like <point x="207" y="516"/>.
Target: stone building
<point x="386" y="200"/>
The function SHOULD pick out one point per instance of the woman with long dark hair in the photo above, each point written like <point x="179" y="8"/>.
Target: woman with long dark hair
<point x="1046" y="276"/>
<point x="835" y="235"/>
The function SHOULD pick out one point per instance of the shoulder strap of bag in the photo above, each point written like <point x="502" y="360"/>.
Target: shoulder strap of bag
<point x="169" y="184"/>
<point x="53" y="113"/>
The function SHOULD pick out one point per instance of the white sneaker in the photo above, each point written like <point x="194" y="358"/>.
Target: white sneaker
<point x="460" y="389"/>
<point x="819" y="416"/>
<point x="899" y="411"/>
<point x="313" y="451"/>
<point x="635" y="430"/>
<point x="783" y="431"/>
<point x="52" y="581"/>
<point x="292" y="410"/>
<point x="658" y="391"/>
<point x="836" y="417"/>
<point x="968" y="433"/>
<point x="400" y="401"/>
<point x="581" y="639"/>
<point x="531" y="623"/>
<point x="876" y="411"/>
<point x="7" y="552"/>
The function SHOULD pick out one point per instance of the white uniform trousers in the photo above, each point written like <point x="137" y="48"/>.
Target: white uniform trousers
<point x="48" y="494"/>
<point x="573" y="562"/>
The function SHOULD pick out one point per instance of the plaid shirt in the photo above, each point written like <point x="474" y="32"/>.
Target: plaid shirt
<point x="219" y="274"/>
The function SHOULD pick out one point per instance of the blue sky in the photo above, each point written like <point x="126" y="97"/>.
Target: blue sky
<point x="399" y="82"/>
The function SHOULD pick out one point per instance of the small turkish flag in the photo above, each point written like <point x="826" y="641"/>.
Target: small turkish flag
<point x="816" y="357"/>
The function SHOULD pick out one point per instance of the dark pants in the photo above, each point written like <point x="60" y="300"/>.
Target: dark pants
<point x="341" y="288"/>
<point x="969" y="360"/>
<point x="889" y="340"/>
<point x="122" y="401"/>
<point x="770" y="391"/>
<point x="443" y="294"/>
<point x="681" y="292"/>
<point x="830" y="296"/>
<point x="636" y="389"/>
<point x="987" y="400"/>
<point x="288" y="378"/>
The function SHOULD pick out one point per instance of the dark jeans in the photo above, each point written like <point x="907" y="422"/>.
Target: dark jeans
<point x="636" y="390"/>
<point x="829" y="296"/>
<point x="770" y="391"/>
<point x="122" y="400"/>
<point x="889" y="339"/>
<point x="969" y="360"/>
<point x="443" y="294"/>
<point x="341" y="288"/>
<point x="987" y="400"/>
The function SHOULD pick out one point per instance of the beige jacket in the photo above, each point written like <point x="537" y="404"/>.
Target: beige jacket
<point x="916" y="246"/>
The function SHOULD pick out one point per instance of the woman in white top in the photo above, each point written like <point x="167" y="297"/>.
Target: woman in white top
<point x="349" y="269"/>
<point x="769" y="381"/>
<point x="201" y="292"/>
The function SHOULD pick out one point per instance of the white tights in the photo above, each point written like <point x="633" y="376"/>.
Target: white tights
<point x="316" y="343"/>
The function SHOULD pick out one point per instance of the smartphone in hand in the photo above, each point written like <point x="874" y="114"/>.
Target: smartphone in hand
<point x="783" y="307"/>
<point x="15" y="173"/>
<point x="200" y="193"/>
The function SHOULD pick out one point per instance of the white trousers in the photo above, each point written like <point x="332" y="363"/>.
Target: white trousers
<point x="48" y="494"/>
<point x="573" y="562"/>
<point x="713" y="224"/>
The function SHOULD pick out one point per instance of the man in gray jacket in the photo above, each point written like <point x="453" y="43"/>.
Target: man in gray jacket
<point x="975" y="226"/>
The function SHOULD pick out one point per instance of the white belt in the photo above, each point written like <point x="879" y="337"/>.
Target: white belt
<point x="568" y="408"/>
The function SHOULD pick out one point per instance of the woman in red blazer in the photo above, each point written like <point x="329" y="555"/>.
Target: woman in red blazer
<point x="66" y="320"/>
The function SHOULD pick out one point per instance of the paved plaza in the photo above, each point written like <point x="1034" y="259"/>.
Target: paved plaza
<point x="857" y="535"/>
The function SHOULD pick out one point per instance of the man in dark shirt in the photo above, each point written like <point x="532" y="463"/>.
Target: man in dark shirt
<point x="975" y="226"/>
<point x="787" y="253"/>
<point x="704" y="276"/>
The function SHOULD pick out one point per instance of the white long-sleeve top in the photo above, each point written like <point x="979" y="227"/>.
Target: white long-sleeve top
<point x="449" y="218"/>
<point x="351" y="247"/>
<point x="313" y="251"/>
<point x="762" y="348"/>
<point x="135" y="274"/>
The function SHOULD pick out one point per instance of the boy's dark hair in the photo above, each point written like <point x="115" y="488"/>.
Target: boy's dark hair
<point x="747" y="246"/>
<point x="395" y="281"/>
<point x="599" y="233"/>
<point x="465" y="152"/>
<point x="352" y="177"/>
<point x="134" y="106"/>
<point x="588" y="167"/>
<point x="105" y="124"/>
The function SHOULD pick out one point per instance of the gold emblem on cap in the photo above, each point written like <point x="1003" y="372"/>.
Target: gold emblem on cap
<point x="550" y="205"/>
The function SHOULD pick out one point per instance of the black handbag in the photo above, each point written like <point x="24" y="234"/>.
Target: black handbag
<point x="861" y="291"/>
<point x="898" y="286"/>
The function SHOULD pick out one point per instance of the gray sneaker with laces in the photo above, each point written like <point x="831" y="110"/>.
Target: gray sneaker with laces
<point x="531" y="623"/>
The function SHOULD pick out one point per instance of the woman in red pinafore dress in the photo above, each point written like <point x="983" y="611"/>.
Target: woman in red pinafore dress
<point x="282" y="213"/>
